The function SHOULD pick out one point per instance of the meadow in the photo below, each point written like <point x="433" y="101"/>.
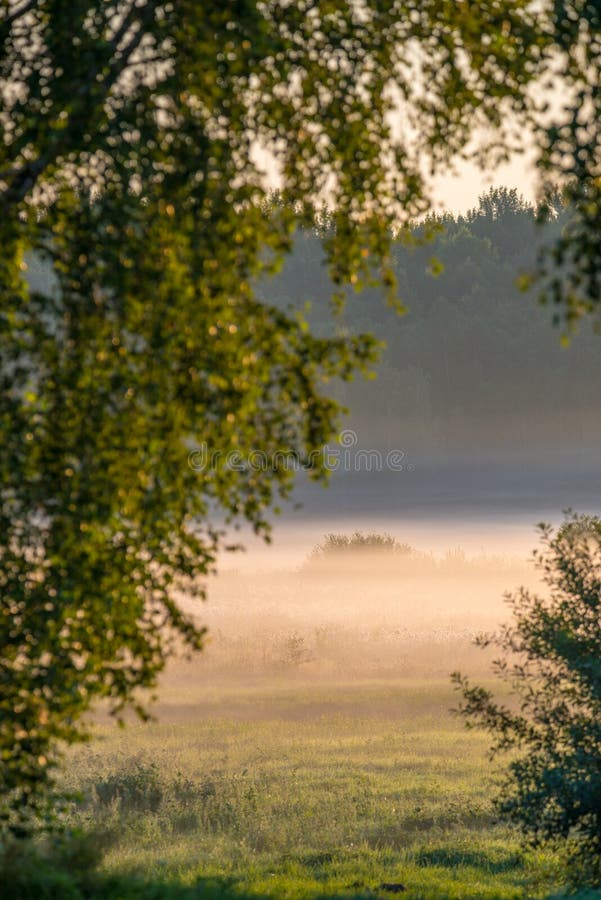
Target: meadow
<point x="301" y="790"/>
<point x="310" y="752"/>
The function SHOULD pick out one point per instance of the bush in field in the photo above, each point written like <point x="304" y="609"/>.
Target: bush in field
<point x="551" y="657"/>
<point x="137" y="787"/>
<point x="334" y="545"/>
<point x="139" y="792"/>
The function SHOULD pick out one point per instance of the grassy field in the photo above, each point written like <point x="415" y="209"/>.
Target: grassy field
<point x="300" y="789"/>
<point x="309" y="752"/>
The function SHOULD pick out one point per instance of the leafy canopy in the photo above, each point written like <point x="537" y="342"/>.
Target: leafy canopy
<point x="131" y="131"/>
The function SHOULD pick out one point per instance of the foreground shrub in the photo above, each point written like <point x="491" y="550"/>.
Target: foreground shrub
<point x="66" y="867"/>
<point x="551" y="657"/>
<point x="59" y="868"/>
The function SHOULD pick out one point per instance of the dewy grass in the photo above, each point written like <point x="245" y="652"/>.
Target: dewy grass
<point x="315" y="791"/>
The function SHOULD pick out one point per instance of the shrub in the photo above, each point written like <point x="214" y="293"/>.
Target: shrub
<point x="137" y="788"/>
<point x="59" y="868"/>
<point x="334" y="545"/>
<point x="551" y="657"/>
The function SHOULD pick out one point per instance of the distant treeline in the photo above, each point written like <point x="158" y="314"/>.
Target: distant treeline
<point x="475" y="368"/>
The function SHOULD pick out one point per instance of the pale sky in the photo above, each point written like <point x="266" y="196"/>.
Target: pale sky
<point x="458" y="193"/>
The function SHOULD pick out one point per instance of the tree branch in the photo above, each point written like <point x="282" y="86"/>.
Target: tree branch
<point x="25" y="178"/>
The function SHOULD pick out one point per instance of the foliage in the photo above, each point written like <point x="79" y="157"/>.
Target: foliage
<point x="136" y="788"/>
<point x="61" y="868"/>
<point x="130" y="131"/>
<point x="570" y="143"/>
<point x="66" y="868"/>
<point x="552" y="660"/>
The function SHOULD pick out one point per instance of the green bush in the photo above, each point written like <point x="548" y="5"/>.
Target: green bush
<point x="551" y="658"/>
<point x="66" y="868"/>
<point x="59" y="868"/>
<point x="137" y="788"/>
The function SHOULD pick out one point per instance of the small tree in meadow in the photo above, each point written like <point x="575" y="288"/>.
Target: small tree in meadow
<point x="551" y="658"/>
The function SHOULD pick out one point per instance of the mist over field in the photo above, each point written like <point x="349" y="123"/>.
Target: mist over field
<point x="478" y="425"/>
<point x="292" y="613"/>
<point x="276" y="614"/>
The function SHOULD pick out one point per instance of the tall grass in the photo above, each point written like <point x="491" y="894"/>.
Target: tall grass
<point x="304" y="791"/>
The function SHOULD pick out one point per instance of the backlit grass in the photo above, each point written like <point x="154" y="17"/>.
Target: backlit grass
<point x="304" y="790"/>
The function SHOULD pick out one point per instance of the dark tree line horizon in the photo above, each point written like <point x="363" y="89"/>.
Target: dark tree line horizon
<point x="476" y="367"/>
